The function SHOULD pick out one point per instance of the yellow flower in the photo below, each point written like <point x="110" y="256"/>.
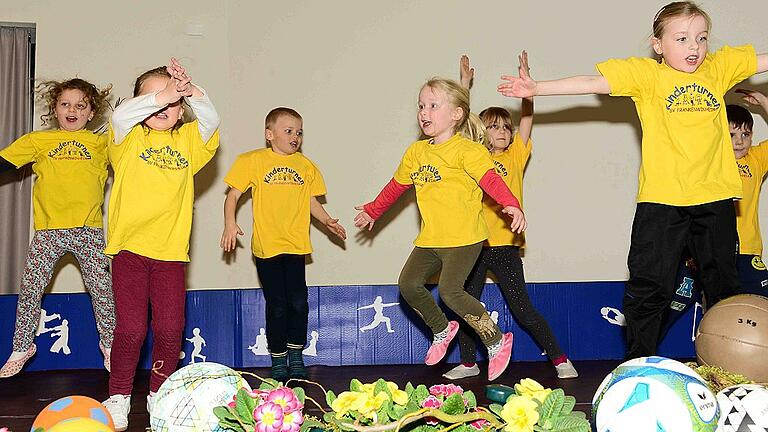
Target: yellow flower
<point x="398" y="396"/>
<point x="368" y="406"/>
<point x="520" y="414"/>
<point x="532" y="389"/>
<point x="368" y="389"/>
<point x="345" y="402"/>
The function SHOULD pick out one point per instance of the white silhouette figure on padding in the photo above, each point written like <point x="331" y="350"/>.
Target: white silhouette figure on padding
<point x="378" y="317"/>
<point x="260" y="347"/>
<point x="62" y="343"/>
<point x="44" y="318"/>
<point x="311" y="349"/>
<point x="198" y="343"/>
<point x="613" y="316"/>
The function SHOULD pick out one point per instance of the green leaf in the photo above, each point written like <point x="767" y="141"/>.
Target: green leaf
<point x="330" y="396"/>
<point x="578" y="414"/>
<point x="409" y="389"/>
<point x="412" y="406"/>
<point x="355" y="385"/>
<point x="312" y="424"/>
<point x="471" y="399"/>
<point x="397" y="411"/>
<point x="223" y="413"/>
<point x="496" y="409"/>
<point x="381" y="386"/>
<point x="568" y="403"/>
<point x="231" y="425"/>
<point x="421" y="393"/>
<point x="552" y="405"/>
<point x="570" y="424"/>
<point x="299" y="392"/>
<point x="383" y="413"/>
<point x="329" y="417"/>
<point x="453" y="405"/>
<point x="244" y="405"/>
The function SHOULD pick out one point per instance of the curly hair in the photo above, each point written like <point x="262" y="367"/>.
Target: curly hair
<point x="49" y="92"/>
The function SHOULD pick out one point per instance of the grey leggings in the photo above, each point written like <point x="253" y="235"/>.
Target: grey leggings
<point x="454" y="264"/>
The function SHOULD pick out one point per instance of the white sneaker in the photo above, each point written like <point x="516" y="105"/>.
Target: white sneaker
<point x="150" y="401"/>
<point x="119" y="406"/>
<point x="462" y="371"/>
<point x="566" y="370"/>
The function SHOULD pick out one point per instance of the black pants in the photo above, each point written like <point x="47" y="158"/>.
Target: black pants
<point x="505" y="263"/>
<point x="284" y="284"/>
<point x="659" y="235"/>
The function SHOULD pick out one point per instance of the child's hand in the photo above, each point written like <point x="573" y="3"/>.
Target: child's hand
<point x="519" y="224"/>
<point x="229" y="237"/>
<point x="174" y="90"/>
<point x="520" y="86"/>
<point x="466" y="73"/>
<point x="753" y="97"/>
<point x="336" y="228"/>
<point x="363" y="219"/>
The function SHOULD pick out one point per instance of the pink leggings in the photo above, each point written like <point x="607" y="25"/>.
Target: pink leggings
<point x="139" y="282"/>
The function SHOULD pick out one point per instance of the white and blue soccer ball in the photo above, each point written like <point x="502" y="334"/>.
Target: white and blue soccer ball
<point x="654" y="394"/>
<point x="743" y="408"/>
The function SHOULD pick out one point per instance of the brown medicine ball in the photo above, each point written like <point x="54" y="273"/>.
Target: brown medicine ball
<point x="733" y="335"/>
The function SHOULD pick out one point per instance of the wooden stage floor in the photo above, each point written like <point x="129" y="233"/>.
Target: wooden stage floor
<point x="23" y="396"/>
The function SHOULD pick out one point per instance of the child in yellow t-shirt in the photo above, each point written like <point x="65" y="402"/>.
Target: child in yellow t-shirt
<point x="450" y="173"/>
<point x="510" y="152"/>
<point x="284" y="186"/>
<point x="70" y="164"/>
<point x="679" y="100"/>
<point x="155" y="156"/>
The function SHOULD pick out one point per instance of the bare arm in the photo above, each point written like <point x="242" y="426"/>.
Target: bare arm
<point x="762" y="63"/>
<point x="317" y="211"/>
<point x="466" y="73"/>
<point x="231" y="228"/>
<point x="576" y="85"/>
<point x="526" y="109"/>
<point x="755" y="97"/>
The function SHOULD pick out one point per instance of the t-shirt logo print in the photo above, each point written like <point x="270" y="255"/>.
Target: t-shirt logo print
<point x="426" y="174"/>
<point x="283" y="175"/>
<point x="164" y="158"/>
<point x="691" y="98"/>
<point x="500" y="168"/>
<point x="70" y="150"/>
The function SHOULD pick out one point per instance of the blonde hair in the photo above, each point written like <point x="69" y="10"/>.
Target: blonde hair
<point x="273" y="115"/>
<point x="674" y="10"/>
<point x="493" y="115"/>
<point x="476" y="130"/>
<point x="458" y="96"/>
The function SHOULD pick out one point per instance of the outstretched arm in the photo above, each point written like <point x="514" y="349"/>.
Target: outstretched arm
<point x="231" y="228"/>
<point x="466" y="73"/>
<point x="762" y="63"/>
<point x="754" y="97"/>
<point x="374" y="209"/>
<point x="526" y="108"/>
<point x="525" y="86"/>
<point x="317" y="211"/>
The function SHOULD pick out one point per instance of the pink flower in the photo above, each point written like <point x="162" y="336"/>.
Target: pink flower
<point x="445" y="390"/>
<point x="269" y="417"/>
<point x="292" y="421"/>
<point x="284" y="397"/>
<point x="479" y="424"/>
<point x="434" y="403"/>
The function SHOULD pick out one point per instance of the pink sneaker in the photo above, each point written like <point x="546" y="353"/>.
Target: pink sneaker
<point x="12" y="367"/>
<point x="498" y="363"/>
<point x="437" y="350"/>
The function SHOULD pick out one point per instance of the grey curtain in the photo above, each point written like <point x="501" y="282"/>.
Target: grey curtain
<point x="15" y="120"/>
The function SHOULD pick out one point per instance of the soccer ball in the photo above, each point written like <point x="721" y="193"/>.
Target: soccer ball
<point x="744" y="408"/>
<point x="654" y="394"/>
<point x="186" y="400"/>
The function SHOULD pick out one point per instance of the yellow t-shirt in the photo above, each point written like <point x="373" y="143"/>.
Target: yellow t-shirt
<point x="450" y="200"/>
<point x="752" y="169"/>
<point x="510" y="165"/>
<point x="281" y="187"/>
<point x="150" y="207"/>
<point x="71" y="169"/>
<point x="687" y="156"/>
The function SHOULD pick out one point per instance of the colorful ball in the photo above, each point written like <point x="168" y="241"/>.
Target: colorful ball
<point x="186" y="400"/>
<point x="743" y="407"/>
<point x="733" y="334"/>
<point x="71" y="407"/>
<point x="654" y="394"/>
<point x="80" y="424"/>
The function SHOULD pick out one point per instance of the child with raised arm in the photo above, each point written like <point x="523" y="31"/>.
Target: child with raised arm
<point x="448" y="171"/>
<point x="155" y="156"/>
<point x="284" y="186"/>
<point x="679" y="100"/>
<point x="70" y="166"/>
<point x="510" y="151"/>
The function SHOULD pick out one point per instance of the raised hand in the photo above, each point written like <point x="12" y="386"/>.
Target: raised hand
<point x="519" y="86"/>
<point x="753" y="97"/>
<point x="466" y="73"/>
<point x="519" y="224"/>
<point x="363" y="219"/>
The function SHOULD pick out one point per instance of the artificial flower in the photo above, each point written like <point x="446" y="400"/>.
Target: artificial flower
<point x="269" y="417"/>
<point x="532" y="389"/>
<point x="519" y="414"/>
<point x="284" y="397"/>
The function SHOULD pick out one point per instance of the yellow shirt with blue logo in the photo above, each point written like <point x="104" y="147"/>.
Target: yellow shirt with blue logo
<point x="71" y="170"/>
<point x="752" y="168"/>
<point x="281" y="188"/>
<point x="510" y="165"/>
<point x="446" y="177"/>
<point x="687" y="156"/>
<point x="150" y="207"/>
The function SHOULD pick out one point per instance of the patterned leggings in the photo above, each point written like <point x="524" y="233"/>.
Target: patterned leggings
<point x="46" y="249"/>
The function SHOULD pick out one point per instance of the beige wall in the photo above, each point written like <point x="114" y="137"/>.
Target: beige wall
<point x="353" y="69"/>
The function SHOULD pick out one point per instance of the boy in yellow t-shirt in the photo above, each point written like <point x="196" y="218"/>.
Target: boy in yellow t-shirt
<point x="284" y="186"/>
